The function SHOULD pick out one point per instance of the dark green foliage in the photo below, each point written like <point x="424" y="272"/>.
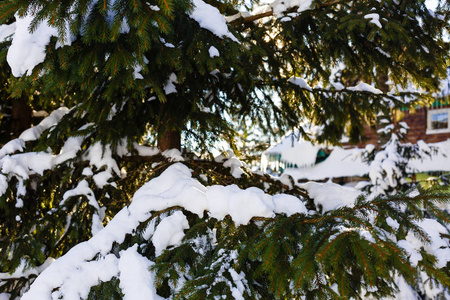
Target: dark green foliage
<point x="285" y="257"/>
<point x="106" y="290"/>
<point x="103" y="57"/>
<point x="115" y="73"/>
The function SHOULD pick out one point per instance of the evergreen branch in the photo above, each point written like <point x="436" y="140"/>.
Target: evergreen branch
<point x="251" y="18"/>
<point x="330" y="244"/>
<point x="10" y="7"/>
<point x="365" y="262"/>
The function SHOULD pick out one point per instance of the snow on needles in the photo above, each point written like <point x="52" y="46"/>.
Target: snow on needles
<point x="330" y="195"/>
<point x="209" y="17"/>
<point x="281" y="6"/>
<point x="93" y="261"/>
<point x="28" y="49"/>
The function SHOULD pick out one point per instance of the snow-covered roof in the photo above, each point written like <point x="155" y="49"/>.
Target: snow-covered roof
<point x="348" y="162"/>
<point x="340" y="163"/>
<point x="289" y="149"/>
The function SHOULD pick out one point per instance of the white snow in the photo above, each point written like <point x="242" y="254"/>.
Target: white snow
<point x="35" y="132"/>
<point x="77" y="284"/>
<point x="364" y="87"/>
<point x="330" y="196"/>
<point x="241" y="14"/>
<point x="136" y="279"/>
<point x="209" y="17"/>
<point x="300" y="82"/>
<point x="100" y="156"/>
<point x="169" y="232"/>
<point x="234" y="164"/>
<point x="28" y="49"/>
<point x="337" y="86"/>
<point x="7" y="31"/>
<point x="385" y="54"/>
<point x="11" y="147"/>
<point x="213" y="52"/>
<point x="145" y="150"/>
<point x="90" y="262"/>
<point x="280" y="7"/>
<point x="374" y="19"/>
<point x="170" y="87"/>
<point x="83" y="189"/>
<point x="340" y="163"/>
<point x="438" y="246"/>
<point x="23" y="271"/>
<point x="173" y="155"/>
<point x="288" y="204"/>
<point x="101" y="179"/>
<point x="413" y="253"/>
<point x="26" y="164"/>
<point x="69" y="150"/>
<point x="348" y="162"/>
<point x="5" y="296"/>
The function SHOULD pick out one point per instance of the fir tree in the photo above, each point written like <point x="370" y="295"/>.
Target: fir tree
<point x="145" y="78"/>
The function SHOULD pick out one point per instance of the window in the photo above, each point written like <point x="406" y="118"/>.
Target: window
<point x="437" y="121"/>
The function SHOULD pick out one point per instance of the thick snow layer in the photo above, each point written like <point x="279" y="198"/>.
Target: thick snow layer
<point x="100" y="156"/>
<point x="145" y="150"/>
<point x="28" y="49"/>
<point x="437" y="246"/>
<point x="340" y="163"/>
<point x="175" y="187"/>
<point x="300" y="153"/>
<point x="6" y="31"/>
<point x="348" y="162"/>
<point x="438" y="162"/>
<point x="330" y="196"/>
<point x="210" y="18"/>
<point x="22" y="271"/>
<point x="234" y="164"/>
<point x="5" y="296"/>
<point x="25" y="164"/>
<point x="173" y="155"/>
<point x="11" y="147"/>
<point x="90" y="262"/>
<point x="169" y="232"/>
<point x="35" y="132"/>
<point x="69" y="150"/>
<point x="67" y="271"/>
<point x="136" y="279"/>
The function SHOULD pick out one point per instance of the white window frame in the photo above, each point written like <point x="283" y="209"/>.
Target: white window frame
<point x="431" y="112"/>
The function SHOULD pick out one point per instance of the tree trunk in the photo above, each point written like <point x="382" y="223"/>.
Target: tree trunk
<point x="169" y="139"/>
<point x="382" y="78"/>
<point x="21" y="116"/>
<point x="169" y="125"/>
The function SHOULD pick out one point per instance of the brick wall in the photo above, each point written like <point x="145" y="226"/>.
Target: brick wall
<point x="417" y="122"/>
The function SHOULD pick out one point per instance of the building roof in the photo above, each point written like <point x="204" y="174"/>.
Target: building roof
<point x="345" y="162"/>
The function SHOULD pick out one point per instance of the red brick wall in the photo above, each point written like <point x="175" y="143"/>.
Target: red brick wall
<point x="417" y="122"/>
